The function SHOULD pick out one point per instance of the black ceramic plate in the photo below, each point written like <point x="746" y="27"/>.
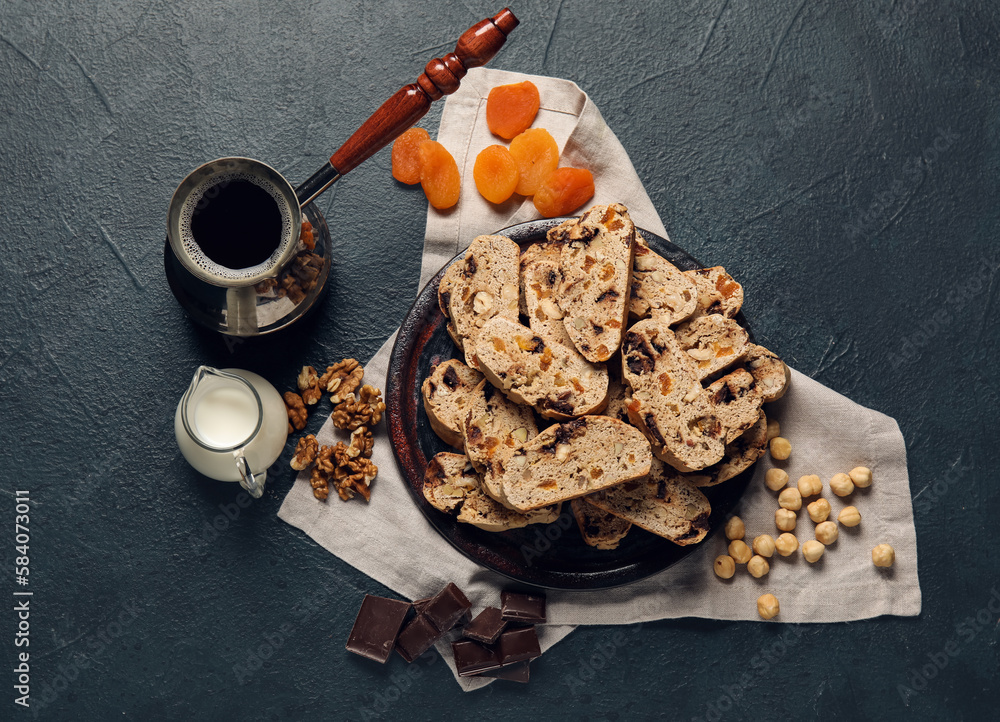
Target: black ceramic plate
<point x="552" y="555"/>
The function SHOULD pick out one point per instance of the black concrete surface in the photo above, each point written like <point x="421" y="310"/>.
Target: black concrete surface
<point x="841" y="157"/>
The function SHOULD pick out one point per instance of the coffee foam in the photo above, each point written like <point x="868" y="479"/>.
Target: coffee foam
<point x="193" y="250"/>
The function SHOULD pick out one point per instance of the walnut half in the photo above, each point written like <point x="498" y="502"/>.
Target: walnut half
<point x="297" y="413"/>
<point x="308" y="383"/>
<point x="342" y="379"/>
<point x="365" y="410"/>
<point x="305" y="453"/>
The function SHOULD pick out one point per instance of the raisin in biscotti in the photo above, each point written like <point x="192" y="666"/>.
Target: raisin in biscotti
<point x="664" y="503"/>
<point x="718" y="292"/>
<point x="713" y="342"/>
<point x="486" y="287"/>
<point x="660" y="288"/>
<point x="688" y="426"/>
<point x="493" y="427"/>
<point x="452" y="485"/>
<point x="596" y="265"/>
<point x="446" y="395"/>
<point x="538" y="371"/>
<point x="572" y="459"/>
<point x="540" y="277"/>
<point x="599" y="528"/>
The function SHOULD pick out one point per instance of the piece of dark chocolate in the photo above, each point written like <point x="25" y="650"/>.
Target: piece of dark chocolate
<point x="486" y="627"/>
<point x="515" y="672"/>
<point x="472" y="658"/>
<point x="447" y="607"/>
<point x="416" y="638"/>
<point x="516" y="645"/>
<point x="525" y="608"/>
<point x="420" y="604"/>
<point x="376" y="627"/>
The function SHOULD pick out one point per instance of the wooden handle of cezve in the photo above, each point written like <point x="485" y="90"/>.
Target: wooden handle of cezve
<point x="441" y="77"/>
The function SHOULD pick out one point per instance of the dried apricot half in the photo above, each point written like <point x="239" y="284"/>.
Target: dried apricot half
<point x="439" y="175"/>
<point x="495" y="173"/>
<point x="511" y="109"/>
<point x="406" y="155"/>
<point x="537" y="155"/>
<point x="565" y="190"/>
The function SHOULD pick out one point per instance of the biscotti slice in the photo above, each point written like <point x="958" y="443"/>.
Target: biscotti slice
<point x="490" y="515"/>
<point x="596" y="264"/>
<point x="734" y="400"/>
<point x="486" y="287"/>
<point x="659" y="287"/>
<point x="446" y="394"/>
<point x="540" y="277"/>
<point x="668" y="403"/>
<point x="741" y="454"/>
<point x="572" y="459"/>
<point x="492" y="428"/>
<point x="664" y="503"/>
<point x="538" y="371"/>
<point x="452" y="485"/>
<point x="769" y="371"/>
<point x="599" y="528"/>
<point x="713" y="343"/>
<point x="718" y="292"/>
<point x="448" y="480"/>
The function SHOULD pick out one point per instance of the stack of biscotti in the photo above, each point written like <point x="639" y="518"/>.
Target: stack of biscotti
<point x="654" y="386"/>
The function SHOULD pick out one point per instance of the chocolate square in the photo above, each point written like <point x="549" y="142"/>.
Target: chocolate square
<point x="486" y="627"/>
<point x="471" y="657"/>
<point x="517" y="645"/>
<point x="447" y="607"/>
<point x="525" y="608"/>
<point x="376" y="626"/>
<point x="418" y="636"/>
<point x="515" y="672"/>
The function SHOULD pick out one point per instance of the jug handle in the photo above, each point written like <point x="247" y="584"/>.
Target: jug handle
<point x="247" y="478"/>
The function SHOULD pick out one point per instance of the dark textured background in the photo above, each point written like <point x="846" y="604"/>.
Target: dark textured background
<point x="840" y="157"/>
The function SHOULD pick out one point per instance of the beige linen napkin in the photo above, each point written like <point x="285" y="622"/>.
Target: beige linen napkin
<point x="391" y="541"/>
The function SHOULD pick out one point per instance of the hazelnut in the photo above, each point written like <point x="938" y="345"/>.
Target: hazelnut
<point x="841" y="484"/>
<point x="849" y="516"/>
<point x="812" y="550"/>
<point x="785" y="519"/>
<point x="758" y="567"/>
<point x="827" y="532"/>
<point x="786" y="544"/>
<point x="481" y="303"/>
<point x="883" y="555"/>
<point x="810" y="485"/>
<point x="767" y="606"/>
<point x="818" y="510"/>
<point x="775" y="478"/>
<point x="861" y="476"/>
<point x="739" y="551"/>
<point x="724" y="566"/>
<point x="764" y="545"/>
<point x="781" y="448"/>
<point x="773" y="429"/>
<point x="735" y="528"/>
<point x="790" y="498"/>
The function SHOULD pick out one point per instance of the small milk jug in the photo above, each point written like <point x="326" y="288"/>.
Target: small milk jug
<point x="231" y="425"/>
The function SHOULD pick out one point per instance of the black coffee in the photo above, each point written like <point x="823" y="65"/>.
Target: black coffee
<point x="237" y="224"/>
